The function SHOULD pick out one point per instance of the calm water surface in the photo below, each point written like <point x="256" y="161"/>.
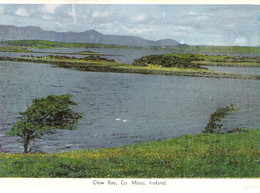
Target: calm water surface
<point x="119" y="55"/>
<point x="122" y="108"/>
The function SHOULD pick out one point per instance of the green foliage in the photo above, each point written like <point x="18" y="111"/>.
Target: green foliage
<point x="167" y="60"/>
<point x="154" y="66"/>
<point x="99" y="64"/>
<point x="221" y="113"/>
<point x="181" y="48"/>
<point x="44" y="115"/>
<point x="202" y="155"/>
<point x="51" y="44"/>
<point x="216" y="49"/>
<point x="189" y="60"/>
<point x="13" y="49"/>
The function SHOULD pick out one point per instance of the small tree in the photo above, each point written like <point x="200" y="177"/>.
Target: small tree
<point x="43" y="116"/>
<point x="215" y="118"/>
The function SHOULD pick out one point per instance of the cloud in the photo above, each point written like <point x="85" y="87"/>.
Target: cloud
<point x="110" y="28"/>
<point x="196" y="24"/>
<point x="50" y="8"/>
<point x="21" y="11"/>
<point x="182" y="28"/>
<point x="139" y="30"/>
<point x="124" y="28"/>
<point x="240" y="41"/>
<point x="140" y="18"/>
<point x="2" y="10"/>
<point x="192" y="13"/>
<point x="73" y="14"/>
<point x="164" y="15"/>
<point x="101" y="14"/>
<point x="202" y="18"/>
<point x="46" y="17"/>
<point x="240" y="19"/>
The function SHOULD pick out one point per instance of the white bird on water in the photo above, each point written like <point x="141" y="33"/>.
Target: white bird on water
<point x="119" y="119"/>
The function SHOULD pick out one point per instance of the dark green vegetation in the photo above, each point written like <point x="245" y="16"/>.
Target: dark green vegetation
<point x="223" y="60"/>
<point x="215" y="118"/>
<point x="181" y="48"/>
<point x="26" y="50"/>
<point x="203" y="155"/>
<point x="197" y="60"/>
<point x="50" y="44"/>
<point x="43" y="116"/>
<point x="182" y="59"/>
<point x="167" y="60"/>
<point x="216" y="49"/>
<point x="26" y="45"/>
<point x="99" y="64"/>
<point x="13" y="49"/>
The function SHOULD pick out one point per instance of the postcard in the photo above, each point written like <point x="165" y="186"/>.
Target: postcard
<point x="130" y="95"/>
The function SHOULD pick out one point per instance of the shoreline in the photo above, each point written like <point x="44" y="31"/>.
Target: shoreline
<point x="198" y="155"/>
<point x="104" y="65"/>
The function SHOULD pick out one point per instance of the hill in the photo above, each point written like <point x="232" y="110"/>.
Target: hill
<point x="9" y="32"/>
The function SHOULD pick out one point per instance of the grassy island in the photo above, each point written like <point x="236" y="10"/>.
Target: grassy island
<point x="197" y="60"/>
<point x="99" y="64"/>
<point x="203" y="155"/>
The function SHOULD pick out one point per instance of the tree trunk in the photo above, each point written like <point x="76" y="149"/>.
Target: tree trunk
<point x="25" y="147"/>
<point x="26" y="144"/>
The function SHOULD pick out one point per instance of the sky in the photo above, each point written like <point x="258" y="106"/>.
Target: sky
<point x="190" y="24"/>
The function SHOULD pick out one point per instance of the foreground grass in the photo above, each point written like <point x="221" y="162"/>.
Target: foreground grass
<point x="202" y="155"/>
<point x="103" y="65"/>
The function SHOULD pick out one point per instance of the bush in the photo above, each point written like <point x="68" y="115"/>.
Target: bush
<point x="166" y="60"/>
<point x="221" y="113"/>
<point x="43" y="116"/>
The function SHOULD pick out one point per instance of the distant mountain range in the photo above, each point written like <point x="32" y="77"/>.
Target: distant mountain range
<point x="9" y="32"/>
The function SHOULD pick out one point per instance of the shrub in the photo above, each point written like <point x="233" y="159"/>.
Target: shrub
<point x="215" y="118"/>
<point x="43" y="116"/>
<point x="167" y="60"/>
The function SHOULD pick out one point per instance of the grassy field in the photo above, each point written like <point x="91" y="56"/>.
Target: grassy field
<point x="216" y="49"/>
<point x="220" y="60"/>
<point x="181" y="48"/>
<point x="51" y="44"/>
<point x="13" y="49"/>
<point x="100" y="65"/>
<point x="202" y="155"/>
<point x="26" y="50"/>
